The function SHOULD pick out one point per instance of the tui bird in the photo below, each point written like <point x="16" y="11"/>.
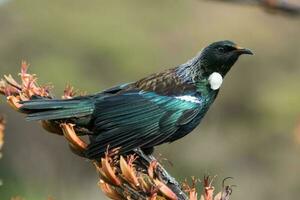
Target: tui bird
<point x="160" y="108"/>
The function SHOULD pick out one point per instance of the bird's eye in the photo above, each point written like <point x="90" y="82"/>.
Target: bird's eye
<point x="221" y="49"/>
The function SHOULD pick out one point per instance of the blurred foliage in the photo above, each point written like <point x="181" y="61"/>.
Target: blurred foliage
<point x="247" y="134"/>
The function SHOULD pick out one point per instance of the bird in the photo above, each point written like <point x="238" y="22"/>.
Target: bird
<point x="160" y="108"/>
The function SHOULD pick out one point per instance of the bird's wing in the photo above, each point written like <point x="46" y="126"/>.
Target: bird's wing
<point x="138" y="119"/>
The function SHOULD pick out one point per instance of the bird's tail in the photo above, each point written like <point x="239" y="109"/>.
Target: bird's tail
<point x="53" y="109"/>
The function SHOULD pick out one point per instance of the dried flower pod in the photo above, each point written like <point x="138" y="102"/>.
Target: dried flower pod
<point x="14" y="102"/>
<point x="7" y="89"/>
<point x="109" y="191"/>
<point x="151" y="168"/>
<point x="29" y="86"/>
<point x="69" y="92"/>
<point x="69" y="133"/>
<point x="165" y="190"/>
<point x="193" y="194"/>
<point x="208" y="189"/>
<point x="146" y="183"/>
<point x="191" y="190"/>
<point x="24" y="67"/>
<point x="109" y="171"/>
<point x="102" y="174"/>
<point x="128" y="171"/>
<point x="11" y="81"/>
<point x="153" y="196"/>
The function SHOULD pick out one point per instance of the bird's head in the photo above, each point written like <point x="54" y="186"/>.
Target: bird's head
<point x="215" y="60"/>
<point x="220" y="56"/>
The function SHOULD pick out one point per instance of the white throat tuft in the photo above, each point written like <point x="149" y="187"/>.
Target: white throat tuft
<point x="215" y="80"/>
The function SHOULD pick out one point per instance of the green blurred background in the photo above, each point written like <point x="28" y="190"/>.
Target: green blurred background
<point x="248" y="133"/>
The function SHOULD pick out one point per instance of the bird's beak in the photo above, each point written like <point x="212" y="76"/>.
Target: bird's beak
<point x="242" y="50"/>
